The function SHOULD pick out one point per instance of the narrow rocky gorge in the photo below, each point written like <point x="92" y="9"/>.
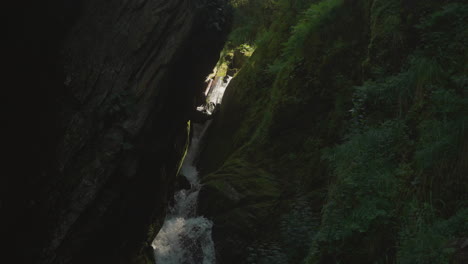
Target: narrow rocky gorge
<point x="235" y="132"/>
<point x="115" y="93"/>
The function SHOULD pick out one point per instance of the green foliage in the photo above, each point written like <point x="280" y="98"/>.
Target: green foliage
<point x="444" y="32"/>
<point x="439" y="141"/>
<point x="387" y="38"/>
<point x="378" y="157"/>
<point x="393" y="167"/>
<point x="392" y="96"/>
<point x="314" y="17"/>
<point x="362" y="198"/>
<point x="251" y="18"/>
<point x="442" y="137"/>
<point x="426" y="239"/>
<point x="297" y="227"/>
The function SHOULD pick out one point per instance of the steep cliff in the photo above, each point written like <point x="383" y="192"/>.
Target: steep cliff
<point x="343" y="138"/>
<point x="111" y="86"/>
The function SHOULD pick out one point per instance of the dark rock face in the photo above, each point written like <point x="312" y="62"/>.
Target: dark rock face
<point x="120" y="81"/>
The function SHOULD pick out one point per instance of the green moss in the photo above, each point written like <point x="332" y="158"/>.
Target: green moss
<point x="248" y="181"/>
<point x="363" y="104"/>
<point x="249" y="190"/>
<point x="187" y="143"/>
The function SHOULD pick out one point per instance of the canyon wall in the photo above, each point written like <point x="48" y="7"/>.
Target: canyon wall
<point x="109" y="86"/>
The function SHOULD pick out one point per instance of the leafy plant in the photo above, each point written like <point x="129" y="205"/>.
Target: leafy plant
<point x="425" y="238"/>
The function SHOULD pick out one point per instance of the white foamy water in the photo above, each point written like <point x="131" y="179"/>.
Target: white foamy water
<point x="214" y="93"/>
<point x="217" y="91"/>
<point x="184" y="237"/>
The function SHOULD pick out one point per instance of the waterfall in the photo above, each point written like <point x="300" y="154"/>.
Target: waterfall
<point x="217" y="90"/>
<point x="214" y="93"/>
<point x="184" y="237"/>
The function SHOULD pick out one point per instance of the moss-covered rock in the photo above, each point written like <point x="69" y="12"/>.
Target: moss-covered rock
<point x="241" y="195"/>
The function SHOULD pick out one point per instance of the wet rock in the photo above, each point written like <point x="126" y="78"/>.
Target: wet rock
<point x="182" y="183"/>
<point x="200" y="116"/>
<point x="239" y="59"/>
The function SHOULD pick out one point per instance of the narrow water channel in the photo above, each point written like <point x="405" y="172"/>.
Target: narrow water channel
<point x="185" y="238"/>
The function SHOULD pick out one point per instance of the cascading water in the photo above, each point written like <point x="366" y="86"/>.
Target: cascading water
<point x="216" y="94"/>
<point x="185" y="238"/>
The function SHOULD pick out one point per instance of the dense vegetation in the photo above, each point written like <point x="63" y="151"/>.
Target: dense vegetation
<point x="343" y="139"/>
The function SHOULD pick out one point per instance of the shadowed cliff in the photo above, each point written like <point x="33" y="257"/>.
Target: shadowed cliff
<point x="100" y="135"/>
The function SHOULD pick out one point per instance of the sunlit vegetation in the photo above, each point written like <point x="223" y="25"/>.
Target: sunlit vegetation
<point x="358" y="110"/>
